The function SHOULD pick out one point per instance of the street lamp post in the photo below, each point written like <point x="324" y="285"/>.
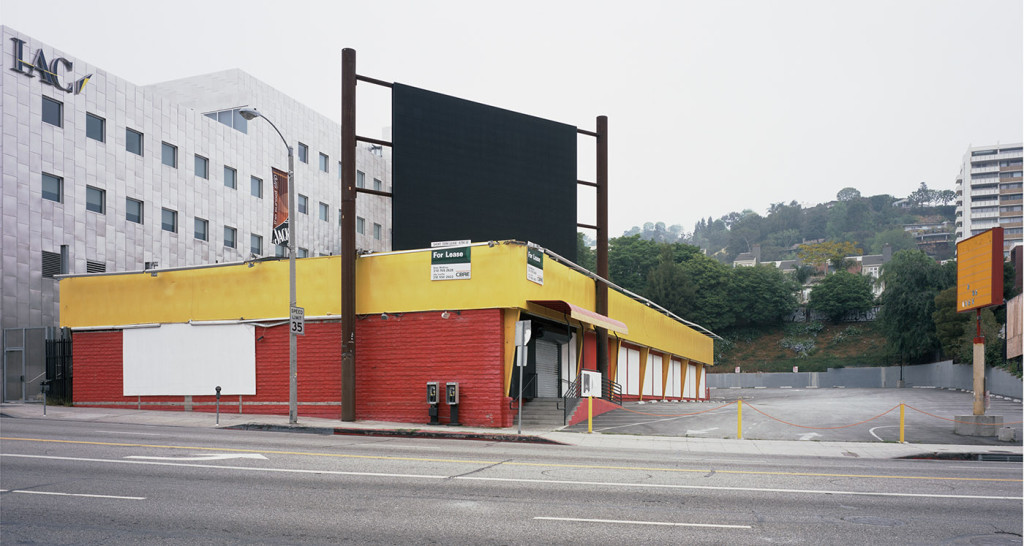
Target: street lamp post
<point x="293" y="412"/>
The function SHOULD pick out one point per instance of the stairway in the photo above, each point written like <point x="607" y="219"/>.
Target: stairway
<point x="543" y="413"/>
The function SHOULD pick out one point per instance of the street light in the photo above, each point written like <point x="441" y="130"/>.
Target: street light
<point x="293" y="413"/>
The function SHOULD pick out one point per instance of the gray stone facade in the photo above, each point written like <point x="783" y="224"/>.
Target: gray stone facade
<point x="39" y="150"/>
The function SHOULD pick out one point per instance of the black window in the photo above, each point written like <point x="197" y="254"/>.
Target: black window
<point x="230" y="177"/>
<point x="133" y="141"/>
<point x="53" y="112"/>
<point x="53" y="188"/>
<point x="133" y="210"/>
<point x="169" y="154"/>
<point x="95" y="199"/>
<point x="202" y="167"/>
<point x="303" y="153"/>
<point x="303" y="204"/>
<point x="256" y="187"/>
<point x="95" y="127"/>
<point x="230" y="234"/>
<point x="202" y="229"/>
<point x="169" y="220"/>
<point x="256" y="244"/>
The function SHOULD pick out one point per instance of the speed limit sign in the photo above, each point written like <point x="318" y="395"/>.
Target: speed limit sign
<point x="298" y="321"/>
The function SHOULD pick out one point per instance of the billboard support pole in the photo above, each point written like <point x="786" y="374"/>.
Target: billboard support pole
<point x="348" y="234"/>
<point x="979" y="370"/>
<point x="601" y="297"/>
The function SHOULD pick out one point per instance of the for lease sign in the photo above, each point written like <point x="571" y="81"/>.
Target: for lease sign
<point x="448" y="264"/>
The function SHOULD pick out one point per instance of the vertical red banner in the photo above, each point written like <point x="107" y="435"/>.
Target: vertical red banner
<point x="280" y="234"/>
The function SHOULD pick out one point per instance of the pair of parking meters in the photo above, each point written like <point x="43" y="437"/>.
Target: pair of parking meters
<point x="451" y="397"/>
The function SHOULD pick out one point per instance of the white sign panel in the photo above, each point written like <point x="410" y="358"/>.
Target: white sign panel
<point x="298" y="321"/>
<point x="535" y="266"/>
<point x="590" y="384"/>
<point x="181" y="359"/>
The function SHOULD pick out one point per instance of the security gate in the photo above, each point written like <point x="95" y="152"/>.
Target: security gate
<point x="547" y="354"/>
<point x="24" y="364"/>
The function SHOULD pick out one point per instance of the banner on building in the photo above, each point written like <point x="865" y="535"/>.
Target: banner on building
<point x="280" y="234"/>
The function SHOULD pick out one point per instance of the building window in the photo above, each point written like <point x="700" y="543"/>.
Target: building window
<point x="169" y="220"/>
<point x="230" y="177"/>
<point x="339" y="217"/>
<point x="378" y="185"/>
<point x="256" y="186"/>
<point x="325" y="212"/>
<point x="377" y="231"/>
<point x="53" y="188"/>
<point x="133" y="210"/>
<point x="232" y="118"/>
<point x="169" y="154"/>
<point x="230" y="236"/>
<point x="324" y="162"/>
<point x="303" y="153"/>
<point x="302" y="253"/>
<point x="280" y="251"/>
<point x="53" y="112"/>
<point x="360" y="225"/>
<point x="339" y="170"/>
<point x="95" y="199"/>
<point x="360" y="179"/>
<point x="202" y="167"/>
<point x="95" y="127"/>
<point x="202" y="229"/>
<point x="256" y="244"/>
<point x="303" y="204"/>
<point x="133" y="141"/>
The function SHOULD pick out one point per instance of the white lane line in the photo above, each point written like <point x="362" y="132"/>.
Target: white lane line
<point x="528" y="480"/>
<point x="743" y="489"/>
<point x="222" y="467"/>
<point x="666" y="523"/>
<point x="873" y="429"/>
<point x="129" y="433"/>
<point x="76" y="495"/>
<point x="210" y="457"/>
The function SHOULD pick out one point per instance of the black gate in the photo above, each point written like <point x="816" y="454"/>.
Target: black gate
<point x="58" y="368"/>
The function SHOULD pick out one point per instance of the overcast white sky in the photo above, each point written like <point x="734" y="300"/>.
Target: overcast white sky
<point x="713" y="106"/>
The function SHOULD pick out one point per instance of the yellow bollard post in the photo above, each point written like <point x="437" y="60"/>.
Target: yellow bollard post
<point x="901" y="423"/>
<point x="739" y="419"/>
<point x="590" y="414"/>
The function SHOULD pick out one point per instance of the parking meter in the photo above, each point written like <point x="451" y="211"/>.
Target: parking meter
<point x="433" y="398"/>
<point x="45" y="385"/>
<point x="452" y="397"/>
<point x="218" y="403"/>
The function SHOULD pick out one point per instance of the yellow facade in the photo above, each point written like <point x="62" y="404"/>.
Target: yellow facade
<point x="386" y="283"/>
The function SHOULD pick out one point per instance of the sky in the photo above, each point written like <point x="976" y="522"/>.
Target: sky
<point x="713" y="106"/>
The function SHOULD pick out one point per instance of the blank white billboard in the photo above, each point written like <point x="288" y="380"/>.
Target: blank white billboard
<point x="182" y="359"/>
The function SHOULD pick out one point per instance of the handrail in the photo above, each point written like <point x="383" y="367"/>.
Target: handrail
<point x="513" y="404"/>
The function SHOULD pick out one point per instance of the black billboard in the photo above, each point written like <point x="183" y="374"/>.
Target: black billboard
<point x="464" y="170"/>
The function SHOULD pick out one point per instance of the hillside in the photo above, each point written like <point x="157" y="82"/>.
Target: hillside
<point x="811" y="346"/>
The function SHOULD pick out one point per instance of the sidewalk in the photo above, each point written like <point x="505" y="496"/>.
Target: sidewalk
<point x="312" y="425"/>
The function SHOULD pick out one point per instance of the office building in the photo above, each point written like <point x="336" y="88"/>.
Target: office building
<point x="988" y="193"/>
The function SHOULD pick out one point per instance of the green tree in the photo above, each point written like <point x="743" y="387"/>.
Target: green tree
<point x="842" y="293"/>
<point x="585" y="256"/>
<point x="630" y="260"/>
<point x="669" y="286"/>
<point x="828" y="252"/>
<point x="956" y="331"/>
<point x="761" y="295"/>
<point x="712" y="307"/>
<point x="912" y="280"/>
<point x="848" y="194"/>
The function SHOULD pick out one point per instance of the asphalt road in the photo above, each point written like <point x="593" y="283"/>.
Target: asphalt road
<point x="69" y="482"/>
<point x="840" y="415"/>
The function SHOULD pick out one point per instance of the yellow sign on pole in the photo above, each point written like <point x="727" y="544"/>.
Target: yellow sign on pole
<point x="979" y="271"/>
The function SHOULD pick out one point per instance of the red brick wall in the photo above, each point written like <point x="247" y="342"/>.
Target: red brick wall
<point x="397" y="357"/>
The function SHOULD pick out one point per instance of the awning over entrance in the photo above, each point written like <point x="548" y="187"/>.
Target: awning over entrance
<point x="584" y="315"/>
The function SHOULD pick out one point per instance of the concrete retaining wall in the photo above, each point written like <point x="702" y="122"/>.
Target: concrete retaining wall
<point x="940" y="374"/>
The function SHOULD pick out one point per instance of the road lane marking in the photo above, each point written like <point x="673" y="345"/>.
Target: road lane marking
<point x="524" y="464"/>
<point x="666" y="523"/>
<point x="71" y="494"/>
<point x="873" y="429"/>
<point x="210" y="457"/>
<point x="525" y="480"/>
<point x="129" y="433"/>
<point x="222" y="467"/>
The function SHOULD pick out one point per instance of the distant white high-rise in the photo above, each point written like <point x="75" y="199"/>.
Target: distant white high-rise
<point x="988" y="193"/>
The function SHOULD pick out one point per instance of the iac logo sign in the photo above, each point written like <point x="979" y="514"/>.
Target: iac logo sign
<point x="49" y="73"/>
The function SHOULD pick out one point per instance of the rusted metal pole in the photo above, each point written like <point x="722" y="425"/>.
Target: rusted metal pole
<point x="348" y="234"/>
<point x="602" y="241"/>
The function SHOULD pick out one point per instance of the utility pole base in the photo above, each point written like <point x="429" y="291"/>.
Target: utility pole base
<point x="977" y="425"/>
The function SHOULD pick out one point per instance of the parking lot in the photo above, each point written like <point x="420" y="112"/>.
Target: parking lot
<point x="842" y="415"/>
